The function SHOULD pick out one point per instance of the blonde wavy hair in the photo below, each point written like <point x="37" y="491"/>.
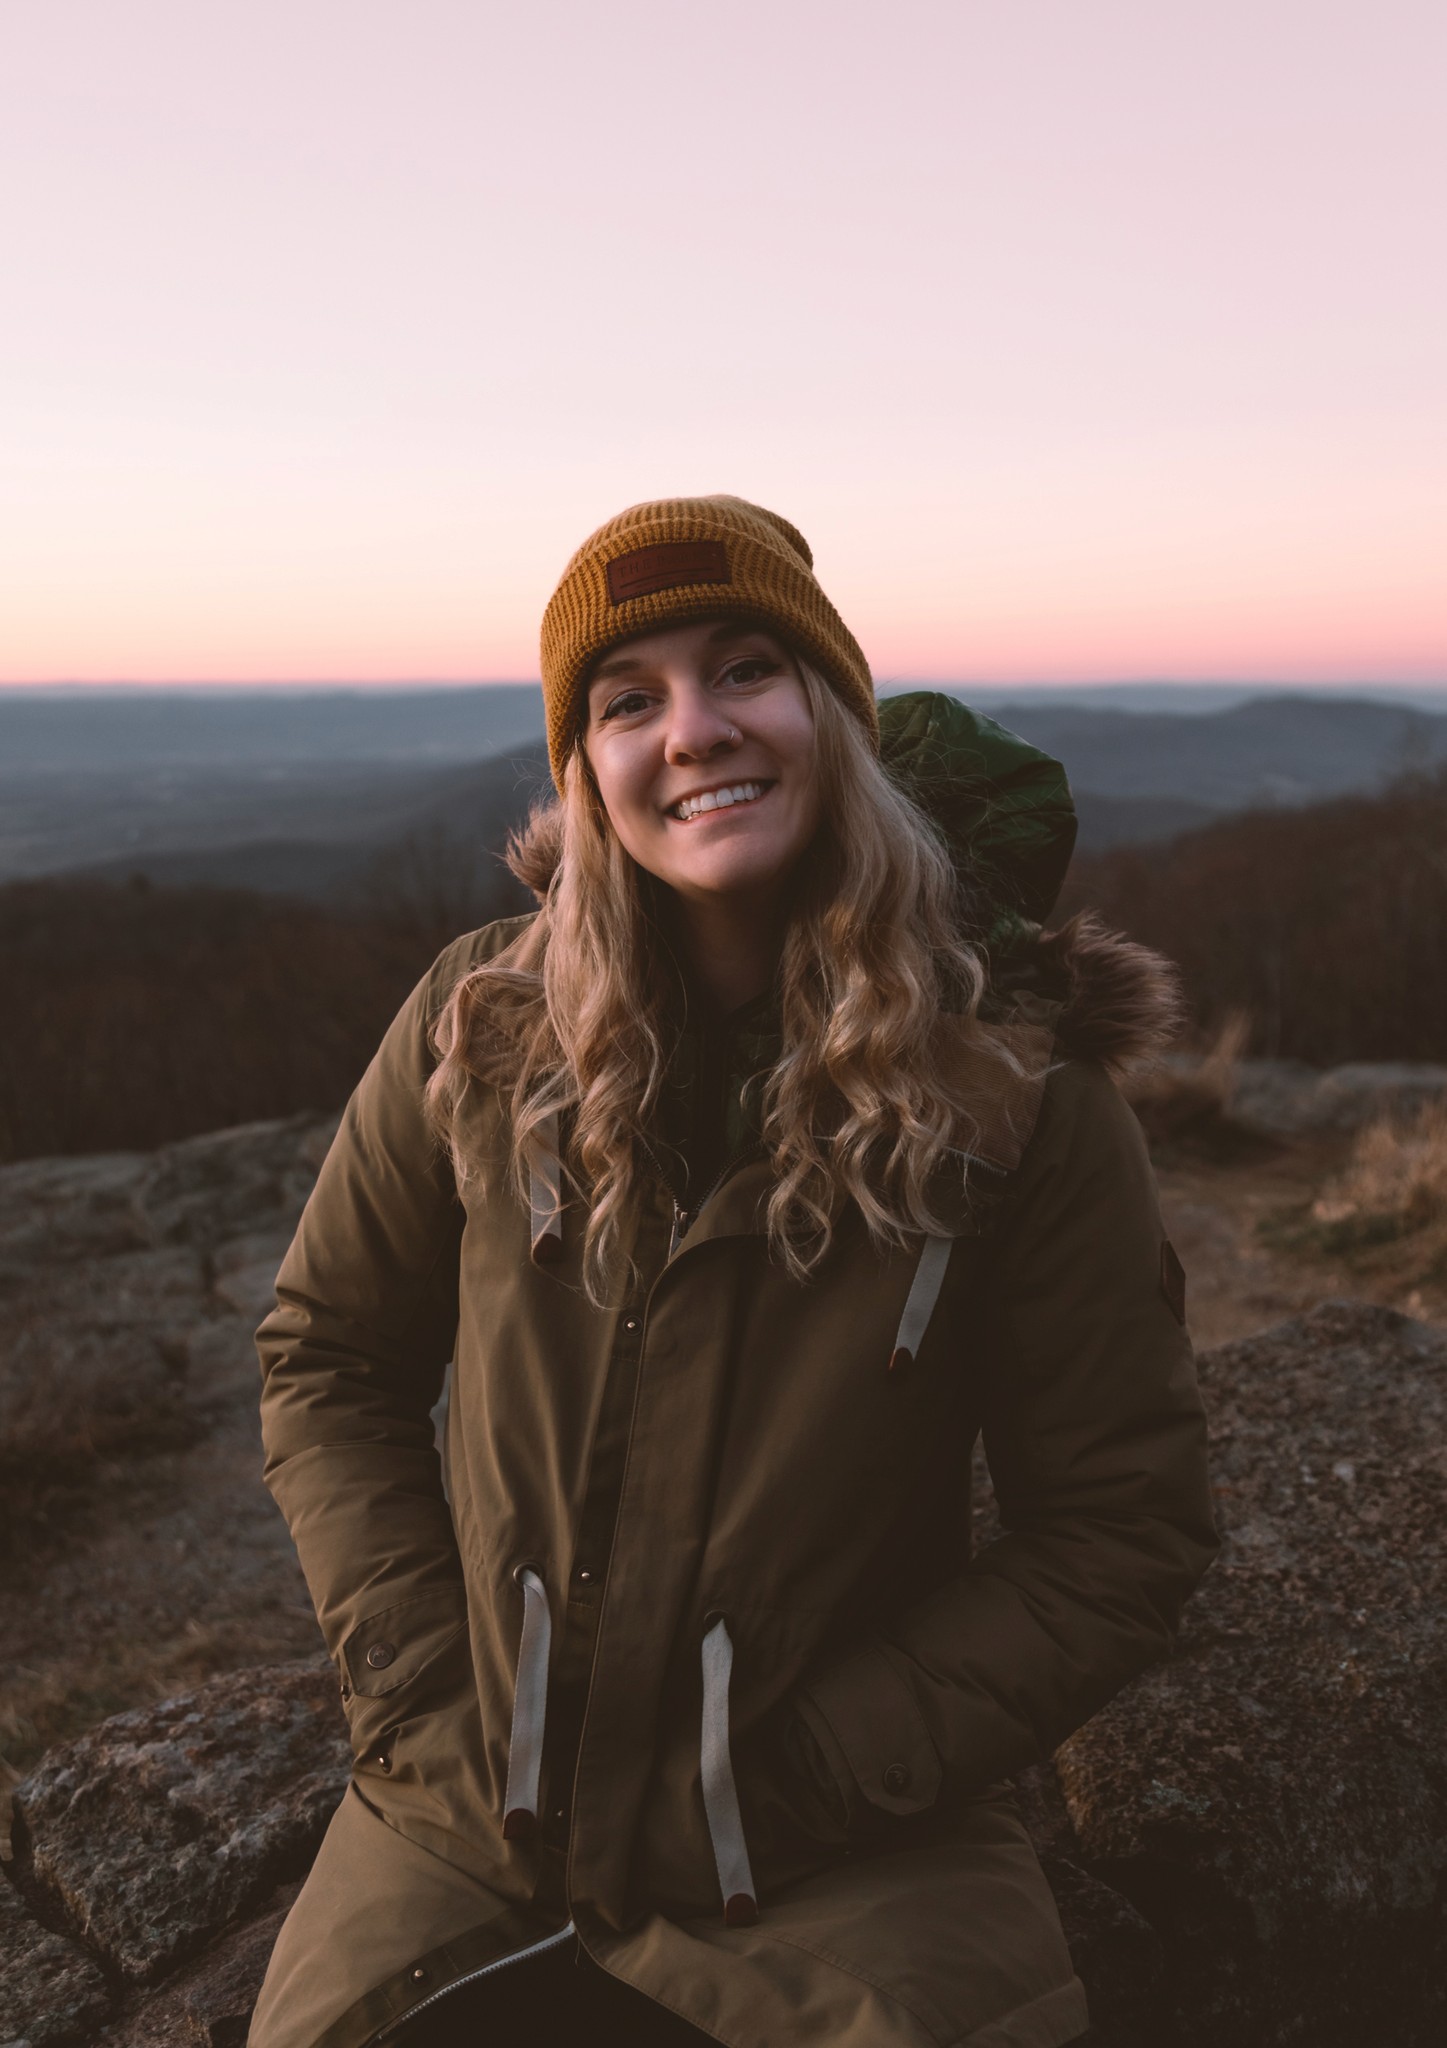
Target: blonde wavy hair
<point x="580" y="1015"/>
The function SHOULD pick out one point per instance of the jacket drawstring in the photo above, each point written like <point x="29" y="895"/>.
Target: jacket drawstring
<point x="529" y="1710"/>
<point x="929" y="1277"/>
<point x="720" y="1796"/>
<point x="545" y="1191"/>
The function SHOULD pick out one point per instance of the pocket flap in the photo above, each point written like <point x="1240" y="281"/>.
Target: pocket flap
<point x="389" y="1648"/>
<point x="864" y="1709"/>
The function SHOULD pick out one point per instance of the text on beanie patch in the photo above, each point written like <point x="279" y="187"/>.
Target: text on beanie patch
<point x="665" y="566"/>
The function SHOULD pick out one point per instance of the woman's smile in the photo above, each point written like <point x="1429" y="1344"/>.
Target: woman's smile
<point x="717" y="801"/>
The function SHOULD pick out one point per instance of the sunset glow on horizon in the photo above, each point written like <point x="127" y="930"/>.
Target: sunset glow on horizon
<point x="1084" y="344"/>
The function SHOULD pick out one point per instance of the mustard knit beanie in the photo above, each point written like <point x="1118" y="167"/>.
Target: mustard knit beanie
<point x="675" y="559"/>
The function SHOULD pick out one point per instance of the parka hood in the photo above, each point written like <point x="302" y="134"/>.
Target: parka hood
<point x="1006" y="814"/>
<point x="1002" y="807"/>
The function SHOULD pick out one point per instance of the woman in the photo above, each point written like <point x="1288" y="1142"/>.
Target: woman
<point x="749" y="1180"/>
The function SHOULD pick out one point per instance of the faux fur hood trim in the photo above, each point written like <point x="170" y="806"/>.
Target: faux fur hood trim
<point x="1122" y="1003"/>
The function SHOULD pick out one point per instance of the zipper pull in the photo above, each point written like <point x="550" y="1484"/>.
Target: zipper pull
<point x="680" y="1225"/>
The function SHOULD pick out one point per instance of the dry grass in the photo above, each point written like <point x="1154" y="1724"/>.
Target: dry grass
<point x="1394" y="1186"/>
<point x="62" y="1696"/>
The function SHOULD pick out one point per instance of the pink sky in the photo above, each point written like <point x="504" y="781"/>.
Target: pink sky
<point x="1084" y="341"/>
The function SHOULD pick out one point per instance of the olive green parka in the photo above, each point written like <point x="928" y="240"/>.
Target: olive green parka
<point x="681" y="1644"/>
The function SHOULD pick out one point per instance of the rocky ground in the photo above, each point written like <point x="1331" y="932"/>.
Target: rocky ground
<point x="144" y="1553"/>
<point x="1249" y="1846"/>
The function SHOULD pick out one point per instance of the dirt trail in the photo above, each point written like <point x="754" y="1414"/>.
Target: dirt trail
<point x="1224" y="1217"/>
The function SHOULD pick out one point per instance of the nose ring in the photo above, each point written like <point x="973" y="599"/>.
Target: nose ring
<point x="733" y="735"/>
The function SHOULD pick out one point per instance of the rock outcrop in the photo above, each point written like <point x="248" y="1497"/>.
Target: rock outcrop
<point x="1274" y="1798"/>
<point x="165" y="1825"/>
<point x="51" y="1991"/>
<point x="1288" y="1099"/>
<point x="132" y="1283"/>
<point x="117" y="1258"/>
<point x="1248" y="1846"/>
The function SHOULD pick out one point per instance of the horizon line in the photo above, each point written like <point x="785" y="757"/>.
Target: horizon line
<point x="888" y="683"/>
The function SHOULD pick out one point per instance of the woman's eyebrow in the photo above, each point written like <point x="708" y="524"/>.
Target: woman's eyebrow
<point x="739" y="630"/>
<point x="629" y="664"/>
<point x="621" y="665"/>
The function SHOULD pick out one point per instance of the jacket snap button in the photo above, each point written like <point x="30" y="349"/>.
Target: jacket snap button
<point x="896" y="1778"/>
<point x="419" y="1975"/>
<point x="586" y="1578"/>
<point x="631" y="1323"/>
<point x="380" y="1656"/>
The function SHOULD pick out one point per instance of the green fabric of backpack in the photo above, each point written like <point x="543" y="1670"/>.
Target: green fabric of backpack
<point x="1002" y="807"/>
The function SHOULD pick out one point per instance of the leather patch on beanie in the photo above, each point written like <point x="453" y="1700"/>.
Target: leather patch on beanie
<point x="666" y="566"/>
<point x="1173" y="1280"/>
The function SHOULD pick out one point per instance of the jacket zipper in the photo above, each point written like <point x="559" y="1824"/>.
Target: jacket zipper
<point x="682" y="1217"/>
<point x="405" y="2019"/>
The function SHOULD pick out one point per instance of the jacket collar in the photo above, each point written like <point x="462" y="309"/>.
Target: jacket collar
<point x="1004" y="1094"/>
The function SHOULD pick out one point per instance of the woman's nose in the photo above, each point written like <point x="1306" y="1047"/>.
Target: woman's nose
<point x="697" y="726"/>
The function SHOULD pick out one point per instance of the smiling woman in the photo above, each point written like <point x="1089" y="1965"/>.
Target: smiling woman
<point x="774" y="1160"/>
<point x="652" y="920"/>
<point x="701" y="741"/>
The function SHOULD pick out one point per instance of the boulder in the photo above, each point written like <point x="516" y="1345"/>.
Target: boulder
<point x="203" y="1191"/>
<point x="1273" y="1799"/>
<point x="164" y="1827"/>
<point x="1287" y="1099"/>
<point x="1117" y="1954"/>
<point x="51" y="1993"/>
<point x="116" y="1272"/>
<point x="208" y="2004"/>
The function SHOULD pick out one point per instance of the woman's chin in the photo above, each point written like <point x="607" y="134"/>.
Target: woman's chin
<point x="722" y="881"/>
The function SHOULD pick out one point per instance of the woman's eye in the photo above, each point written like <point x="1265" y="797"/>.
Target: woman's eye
<point x="630" y="700"/>
<point x="748" y="670"/>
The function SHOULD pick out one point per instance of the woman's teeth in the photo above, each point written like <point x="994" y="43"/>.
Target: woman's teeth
<point x="719" y="799"/>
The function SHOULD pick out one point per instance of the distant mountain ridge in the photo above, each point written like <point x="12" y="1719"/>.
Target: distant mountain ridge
<point x="71" y="731"/>
<point x="303" y="793"/>
<point x="1268" y="750"/>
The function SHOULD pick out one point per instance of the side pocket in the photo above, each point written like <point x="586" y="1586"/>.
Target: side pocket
<point x="868" y="1724"/>
<point x="402" y="1661"/>
<point x="793" y="1824"/>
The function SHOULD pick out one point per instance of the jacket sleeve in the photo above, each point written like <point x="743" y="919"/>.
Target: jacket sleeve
<point x="1096" y="1439"/>
<point x="354" y="1353"/>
